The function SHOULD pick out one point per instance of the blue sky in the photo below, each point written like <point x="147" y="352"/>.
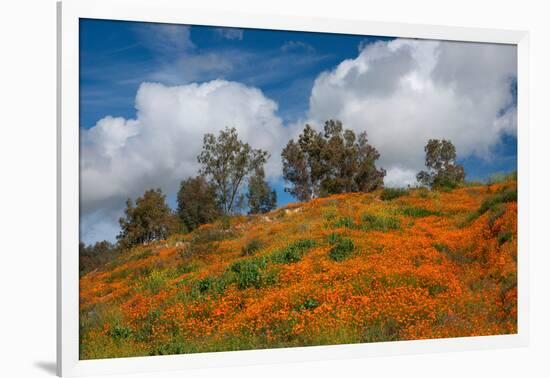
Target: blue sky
<point x="116" y="59"/>
<point x="277" y="69"/>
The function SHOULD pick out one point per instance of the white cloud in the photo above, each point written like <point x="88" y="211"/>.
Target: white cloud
<point x="120" y="158"/>
<point x="403" y="92"/>
<point x="166" y="39"/>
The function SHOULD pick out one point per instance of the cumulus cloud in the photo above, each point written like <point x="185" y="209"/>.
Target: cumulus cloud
<point x="404" y="92"/>
<point x="120" y="158"/>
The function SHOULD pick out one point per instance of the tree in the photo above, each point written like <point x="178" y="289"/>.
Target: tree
<point x="335" y="161"/>
<point x="149" y="219"/>
<point x="226" y="161"/>
<point x="197" y="203"/>
<point x="296" y="171"/>
<point x="443" y="170"/>
<point x="261" y="199"/>
<point x="94" y="255"/>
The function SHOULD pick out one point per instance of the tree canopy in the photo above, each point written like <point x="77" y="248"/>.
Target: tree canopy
<point x="149" y="219"/>
<point x="261" y="199"/>
<point x="443" y="170"/>
<point x="226" y="161"/>
<point x="197" y="203"/>
<point x="330" y="162"/>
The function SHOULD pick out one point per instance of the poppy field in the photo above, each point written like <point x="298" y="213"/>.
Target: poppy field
<point x="389" y="265"/>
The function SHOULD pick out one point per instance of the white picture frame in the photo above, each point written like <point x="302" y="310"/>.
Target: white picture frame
<point x="165" y="11"/>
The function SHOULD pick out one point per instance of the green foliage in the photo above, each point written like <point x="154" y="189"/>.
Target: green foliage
<point x="293" y="252"/>
<point x="210" y="285"/>
<point x="346" y="222"/>
<point x="261" y="198"/>
<point x="382" y="223"/>
<point x="504" y="196"/>
<point x="197" y="203"/>
<point x="94" y="256"/>
<point x="154" y="282"/>
<point x="334" y="238"/>
<point x="493" y="203"/>
<point x="226" y="161"/>
<point x="443" y="170"/>
<point x="249" y="273"/>
<point x="150" y="219"/>
<point x="341" y="250"/>
<point x="495" y="213"/>
<point x="251" y="247"/>
<point x="389" y="194"/>
<point x="418" y="212"/>
<point x="308" y="304"/>
<point x="334" y="161"/>
<point x="119" y="332"/>
<point x="504" y="237"/>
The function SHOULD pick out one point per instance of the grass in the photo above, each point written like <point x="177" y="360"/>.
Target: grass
<point x="389" y="194"/>
<point x="253" y="273"/>
<point x="293" y="252"/>
<point x="343" y="222"/>
<point x="492" y="203"/>
<point x="418" y="212"/>
<point x="154" y="282"/>
<point x="342" y="250"/>
<point x="210" y="285"/>
<point x="382" y="223"/>
<point x="495" y="213"/>
<point x="251" y="247"/>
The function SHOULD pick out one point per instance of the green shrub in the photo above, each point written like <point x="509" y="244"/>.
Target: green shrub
<point x="380" y="223"/>
<point x="292" y="253"/>
<point x="391" y="193"/>
<point x="334" y="238"/>
<point x="504" y="237"/>
<point x="308" y="304"/>
<point x="119" y="332"/>
<point x="251" y="247"/>
<point x="248" y="272"/>
<point x="342" y="250"/>
<point x="210" y="285"/>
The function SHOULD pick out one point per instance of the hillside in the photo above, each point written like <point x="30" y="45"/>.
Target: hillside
<point x="362" y="267"/>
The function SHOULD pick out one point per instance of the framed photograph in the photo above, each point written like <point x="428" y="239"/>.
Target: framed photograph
<point x="239" y="189"/>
